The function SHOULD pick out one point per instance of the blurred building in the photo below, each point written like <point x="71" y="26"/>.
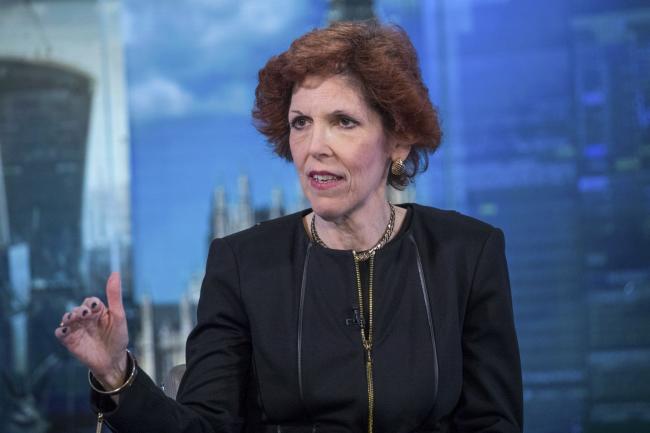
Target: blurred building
<point x="64" y="192"/>
<point x="43" y="130"/>
<point x="164" y="329"/>
<point x="229" y="217"/>
<point x="350" y="10"/>
<point x="550" y="125"/>
<point x="514" y="143"/>
<point x="612" y="99"/>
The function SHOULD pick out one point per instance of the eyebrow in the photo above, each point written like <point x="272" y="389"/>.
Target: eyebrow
<point x="344" y="112"/>
<point x="334" y="113"/>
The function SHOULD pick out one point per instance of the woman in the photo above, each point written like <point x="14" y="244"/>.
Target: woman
<point x="355" y="315"/>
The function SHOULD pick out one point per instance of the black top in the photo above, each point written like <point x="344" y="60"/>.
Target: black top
<point x="275" y="349"/>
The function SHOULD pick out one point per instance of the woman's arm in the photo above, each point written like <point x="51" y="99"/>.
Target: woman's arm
<point x="212" y="393"/>
<point x="491" y="397"/>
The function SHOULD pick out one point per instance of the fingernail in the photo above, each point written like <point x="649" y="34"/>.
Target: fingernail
<point x="69" y="315"/>
<point x="84" y="312"/>
<point x="64" y="330"/>
<point x="93" y="305"/>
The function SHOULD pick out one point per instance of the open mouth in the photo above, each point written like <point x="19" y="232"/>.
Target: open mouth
<point x="322" y="177"/>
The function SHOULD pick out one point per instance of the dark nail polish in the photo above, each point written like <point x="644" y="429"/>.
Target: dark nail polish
<point x="93" y="305"/>
<point x="84" y="312"/>
<point x="64" y="330"/>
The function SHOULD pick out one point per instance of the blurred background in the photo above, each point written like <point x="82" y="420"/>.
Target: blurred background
<point x="126" y="144"/>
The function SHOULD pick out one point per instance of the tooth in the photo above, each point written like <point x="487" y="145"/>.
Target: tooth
<point x="324" y="177"/>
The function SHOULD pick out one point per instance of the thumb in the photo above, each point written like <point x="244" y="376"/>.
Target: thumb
<point x="114" y="293"/>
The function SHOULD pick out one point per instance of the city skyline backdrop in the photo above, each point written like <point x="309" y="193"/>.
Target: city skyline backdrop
<point x="545" y="109"/>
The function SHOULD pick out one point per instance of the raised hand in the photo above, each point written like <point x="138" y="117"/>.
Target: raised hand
<point x="97" y="335"/>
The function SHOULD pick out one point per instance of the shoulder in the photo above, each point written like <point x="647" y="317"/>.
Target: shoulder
<point x="452" y="234"/>
<point x="449" y="224"/>
<point x="269" y="230"/>
<point x="266" y="238"/>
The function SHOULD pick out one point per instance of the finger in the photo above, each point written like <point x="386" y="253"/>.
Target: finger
<point x="61" y="332"/>
<point x="65" y="318"/>
<point x="78" y="313"/>
<point x="114" y="294"/>
<point x="85" y="312"/>
<point x="95" y="305"/>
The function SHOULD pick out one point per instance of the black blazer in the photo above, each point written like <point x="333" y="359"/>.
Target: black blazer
<point x="275" y="348"/>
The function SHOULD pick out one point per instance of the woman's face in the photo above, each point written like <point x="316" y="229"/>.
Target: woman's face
<point x="338" y="146"/>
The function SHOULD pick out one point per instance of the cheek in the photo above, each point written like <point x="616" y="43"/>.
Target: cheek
<point x="295" y="152"/>
<point x="372" y="162"/>
<point x="298" y="161"/>
<point x="367" y="171"/>
<point x="376" y="172"/>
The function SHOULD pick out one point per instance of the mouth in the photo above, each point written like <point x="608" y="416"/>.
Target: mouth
<point x="323" y="177"/>
<point x="324" y="180"/>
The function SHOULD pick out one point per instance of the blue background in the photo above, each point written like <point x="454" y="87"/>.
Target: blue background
<point x="545" y="108"/>
<point x="546" y="112"/>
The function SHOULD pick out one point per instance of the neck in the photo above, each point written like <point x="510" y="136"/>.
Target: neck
<point x="359" y="230"/>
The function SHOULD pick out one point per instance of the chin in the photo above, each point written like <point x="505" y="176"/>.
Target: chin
<point x="328" y="208"/>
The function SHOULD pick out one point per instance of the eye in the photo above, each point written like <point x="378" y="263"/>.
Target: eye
<point x="347" y="123"/>
<point x="299" y="122"/>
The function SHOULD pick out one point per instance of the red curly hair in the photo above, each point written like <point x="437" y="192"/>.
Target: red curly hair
<point x="381" y="59"/>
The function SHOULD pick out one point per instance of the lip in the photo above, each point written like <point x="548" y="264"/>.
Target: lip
<point x="324" y="185"/>
<point x="312" y="173"/>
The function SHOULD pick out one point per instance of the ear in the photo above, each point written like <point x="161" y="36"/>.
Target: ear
<point x="400" y="149"/>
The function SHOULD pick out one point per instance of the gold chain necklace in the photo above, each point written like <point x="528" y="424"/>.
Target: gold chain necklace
<point x="366" y="339"/>
<point x="365" y="254"/>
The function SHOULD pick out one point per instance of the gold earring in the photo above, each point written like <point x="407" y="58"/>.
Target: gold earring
<point x="397" y="167"/>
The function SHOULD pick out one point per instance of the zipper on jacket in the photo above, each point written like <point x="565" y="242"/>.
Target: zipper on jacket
<point x="425" y="295"/>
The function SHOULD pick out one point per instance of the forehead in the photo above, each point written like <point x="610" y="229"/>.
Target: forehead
<point x="337" y="92"/>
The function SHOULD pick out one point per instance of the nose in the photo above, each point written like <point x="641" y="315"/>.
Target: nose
<point x="320" y="141"/>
